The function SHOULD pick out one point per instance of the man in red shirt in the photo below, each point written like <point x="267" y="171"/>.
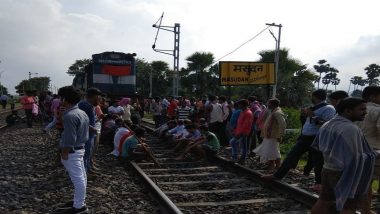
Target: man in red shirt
<point x="243" y="128"/>
<point x="27" y="102"/>
<point x="171" y="108"/>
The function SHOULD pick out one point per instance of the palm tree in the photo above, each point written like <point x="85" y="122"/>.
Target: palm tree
<point x="373" y="71"/>
<point x="357" y="81"/>
<point x="198" y="62"/>
<point x="349" y="86"/>
<point x="330" y="76"/>
<point x="326" y="80"/>
<point x="362" y="83"/>
<point x="321" y="67"/>
<point x="335" y="81"/>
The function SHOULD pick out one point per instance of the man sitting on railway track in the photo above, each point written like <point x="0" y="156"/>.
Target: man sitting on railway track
<point x="120" y="132"/>
<point x="207" y="145"/>
<point x="108" y="129"/>
<point x="162" y="130"/>
<point x="132" y="149"/>
<point x="349" y="160"/>
<point x="176" y="131"/>
<point x="13" y="118"/>
<point x="116" y="109"/>
<point x="193" y="136"/>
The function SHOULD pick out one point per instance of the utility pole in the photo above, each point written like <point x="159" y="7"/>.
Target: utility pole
<point x="150" y="82"/>
<point x="30" y="74"/>
<point x="176" y="59"/>
<point x="175" y="52"/>
<point x="1" y="86"/>
<point x="277" y="56"/>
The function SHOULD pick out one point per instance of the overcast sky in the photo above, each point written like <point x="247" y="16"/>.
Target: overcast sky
<point x="47" y="36"/>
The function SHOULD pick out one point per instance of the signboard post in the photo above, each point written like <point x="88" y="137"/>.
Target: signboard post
<point x="246" y="73"/>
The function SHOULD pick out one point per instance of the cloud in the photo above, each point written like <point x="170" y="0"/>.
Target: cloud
<point x="351" y="61"/>
<point x="47" y="36"/>
<point x="37" y="37"/>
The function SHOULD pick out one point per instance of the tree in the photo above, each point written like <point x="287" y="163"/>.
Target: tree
<point x="358" y="81"/>
<point x="330" y="77"/>
<point x="301" y="86"/>
<point x="36" y="83"/>
<point x="294" y="80"/>
<point x="3" y="90"/>
<point x="335" y="81"/>
<point x="160" y="78"/>
<point x="362" y="83"/>
<point x="78" y="66"/>
<point x="373" y="71"/>
<point x="198" y="65"/>
<point x="143" y="70"/>
<point x="321" y="68"/>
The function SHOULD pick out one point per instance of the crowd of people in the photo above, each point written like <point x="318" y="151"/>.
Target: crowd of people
<point x="340" y="134"/>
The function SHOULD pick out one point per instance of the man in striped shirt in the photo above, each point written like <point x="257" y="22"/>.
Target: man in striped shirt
<point x="184" y="111"/>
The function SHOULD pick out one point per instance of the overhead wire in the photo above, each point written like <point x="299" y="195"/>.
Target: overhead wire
<point x="246" y="42"/>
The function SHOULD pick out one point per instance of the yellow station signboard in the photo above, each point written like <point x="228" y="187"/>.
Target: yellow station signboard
<point x="246" y="73"/>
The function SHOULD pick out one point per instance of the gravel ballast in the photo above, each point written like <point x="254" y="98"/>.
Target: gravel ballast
<point x="31" y="180"/>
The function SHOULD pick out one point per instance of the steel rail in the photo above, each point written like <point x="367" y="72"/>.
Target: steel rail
<point x="299" y="194"/>
<point x="160" y="196"/>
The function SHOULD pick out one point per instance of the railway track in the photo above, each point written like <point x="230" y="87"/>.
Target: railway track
<point x="216" y="186"/>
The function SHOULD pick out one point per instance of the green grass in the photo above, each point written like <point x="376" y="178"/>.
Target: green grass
<point x="148" y="116"/>
<point x="375" y="185"/>
<point x="8" y="107"/>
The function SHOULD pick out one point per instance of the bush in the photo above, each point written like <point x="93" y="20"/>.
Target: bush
<point x="292" y="118"/>
<point x="288" y="141"/>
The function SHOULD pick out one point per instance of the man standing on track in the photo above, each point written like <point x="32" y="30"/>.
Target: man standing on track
<point x="4" y="99"/>
<point x="215" y="116"/>
<point x="349" y="160"/>
<point x="371" y="127"/>
<point x="243" y="129"/>
<point x="315" y="117"/>
<point x="171" y="108"/>
<point x="27" y="102"/>
<point x="274" y="129"/>
<point x="74" y="137"/>
<point x="88" y="105"/>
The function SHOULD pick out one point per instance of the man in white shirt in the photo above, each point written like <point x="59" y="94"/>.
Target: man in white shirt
<point x="215" y="116"/>
<point x="118" y="135"/>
